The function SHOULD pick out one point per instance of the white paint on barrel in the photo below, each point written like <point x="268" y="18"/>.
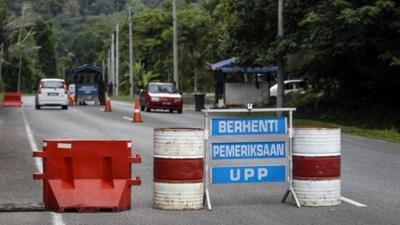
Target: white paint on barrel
<point x="178" y="143"/>
<point x="318" y="192"/>
<point x="317" y="144"/>
<point x="178" y="196"/>
<point x="316" y="141"/>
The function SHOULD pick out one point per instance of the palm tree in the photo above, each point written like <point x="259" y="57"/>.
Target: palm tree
<point x="142" y="77"/>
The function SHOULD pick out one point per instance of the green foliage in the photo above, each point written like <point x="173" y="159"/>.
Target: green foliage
<point x="20" y="50"/>
<point x="347" y="49"/>
<point x="389" y="135"/>
<point x="310" y="18"/>
<point x="83" y="48"/>
<point x="45" y="38"/>
<point x="142" y="77"/>
<point x="152" y="40"/>
<point x="3" y="16"/>
<point x="250" y="29"/>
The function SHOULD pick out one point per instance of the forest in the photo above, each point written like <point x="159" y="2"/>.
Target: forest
<point x="348" y="51"/>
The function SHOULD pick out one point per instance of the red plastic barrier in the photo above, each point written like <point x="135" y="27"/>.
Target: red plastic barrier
<point x="12" y="99"/>
<point x="87" y="175"/>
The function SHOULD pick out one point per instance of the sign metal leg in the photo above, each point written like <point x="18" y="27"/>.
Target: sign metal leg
<point x="208" y="199"/>
<point x="206" y="159"/>
<point x="295" y="196"/>
<point x="290" y="179"/>
<point x="296" y="199"/>
<point x="286" y="195"/>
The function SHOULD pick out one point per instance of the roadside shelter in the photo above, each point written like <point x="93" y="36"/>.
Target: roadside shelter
<point x="87" y="79"/>
<point x="237" y="85"/>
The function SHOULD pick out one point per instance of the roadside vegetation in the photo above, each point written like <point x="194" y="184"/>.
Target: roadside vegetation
<point x="381" y="134"/>
<point x="313" y="108"/>
<point x="126" y="98"/>
<point x="1" y="99"/>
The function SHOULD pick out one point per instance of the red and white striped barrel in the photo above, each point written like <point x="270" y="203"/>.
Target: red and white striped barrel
<point x="178" y="168"/>
<point x="316" y="165"/>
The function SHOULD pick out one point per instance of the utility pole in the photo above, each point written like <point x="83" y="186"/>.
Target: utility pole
<point x="117" y="61"/>
<point x="108" y="66"/>
<point x="195" y="75"/>
<point x="19" y="42"/>
<point x="175" y="45"/>
<point x="112" y="61"/>
<point x="63" y="71"/>
<point x="103" y="71"/>
<point x="1" y="60"/>
<point x="131" y="82"/>
<point x="281" y="75"/>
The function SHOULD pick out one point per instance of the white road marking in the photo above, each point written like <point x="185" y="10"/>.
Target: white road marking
<point x="127" y="118"/>
<point x="352" y="202"/>
<point x="38" y="161"/>
<point x="57" y="218"/>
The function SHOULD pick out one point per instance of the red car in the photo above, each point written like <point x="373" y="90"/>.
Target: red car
<point x="161" y="96"/>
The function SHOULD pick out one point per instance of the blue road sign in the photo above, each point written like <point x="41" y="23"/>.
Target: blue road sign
<point x="248" y="150"/>
<point x="248" y="126"/>
<point x="248" y="174"/>
<point x="88" y="89"/>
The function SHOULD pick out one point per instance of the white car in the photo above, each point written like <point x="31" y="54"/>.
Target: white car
<point x="51" y="92"/>
<point x="291" y="87"/>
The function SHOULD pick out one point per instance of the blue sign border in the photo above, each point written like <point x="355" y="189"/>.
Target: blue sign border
<point x="236" y="150"/>
<point x="92" y="89"/>
<point x="222" y="175"/>
<point x="252" y="128"/>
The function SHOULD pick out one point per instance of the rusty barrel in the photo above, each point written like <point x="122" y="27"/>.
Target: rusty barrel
<point x="178" y="168"/>
<point x="316" y="165"/>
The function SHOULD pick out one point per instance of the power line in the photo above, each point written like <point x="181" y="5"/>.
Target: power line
<point x="156" y="5"/>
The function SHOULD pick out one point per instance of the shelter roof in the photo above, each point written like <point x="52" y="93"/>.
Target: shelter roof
<point x="88" y="68"/>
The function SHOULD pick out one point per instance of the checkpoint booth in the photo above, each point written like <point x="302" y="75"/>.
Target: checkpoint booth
<point x="86" y="80"/>
<point x="236" y="86"/>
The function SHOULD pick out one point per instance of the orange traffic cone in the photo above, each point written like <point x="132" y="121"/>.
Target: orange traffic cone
<point x="108" y="105"/>
<point x="137" y="117"/>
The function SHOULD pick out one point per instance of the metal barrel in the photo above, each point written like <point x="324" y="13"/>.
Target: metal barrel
<point x="178" y="168"/>
<point x="316" y="165"/>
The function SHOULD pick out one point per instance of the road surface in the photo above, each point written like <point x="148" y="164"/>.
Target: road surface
<point x="370" y="174"/>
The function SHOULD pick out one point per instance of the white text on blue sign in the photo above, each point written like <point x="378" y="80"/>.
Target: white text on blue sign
<point x="248" y="126"/>
<point x="248" y="150"/>
<point x="248" y="174"/>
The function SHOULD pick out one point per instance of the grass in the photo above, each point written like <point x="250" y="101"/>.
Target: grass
<point x="386" y="135"/>
<point x="28" y="94"/>
<point x="122" y="98"/>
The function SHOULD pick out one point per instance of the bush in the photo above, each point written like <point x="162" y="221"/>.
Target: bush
<point x="346" y="111"/>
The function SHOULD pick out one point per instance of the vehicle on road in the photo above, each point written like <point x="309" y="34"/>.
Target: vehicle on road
<point x="51" y="92"/>
<point x="158" y="95"/>
<point x="292" y="87"/>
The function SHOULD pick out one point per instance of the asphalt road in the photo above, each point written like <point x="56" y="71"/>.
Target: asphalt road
<point x="370" y="174"/>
